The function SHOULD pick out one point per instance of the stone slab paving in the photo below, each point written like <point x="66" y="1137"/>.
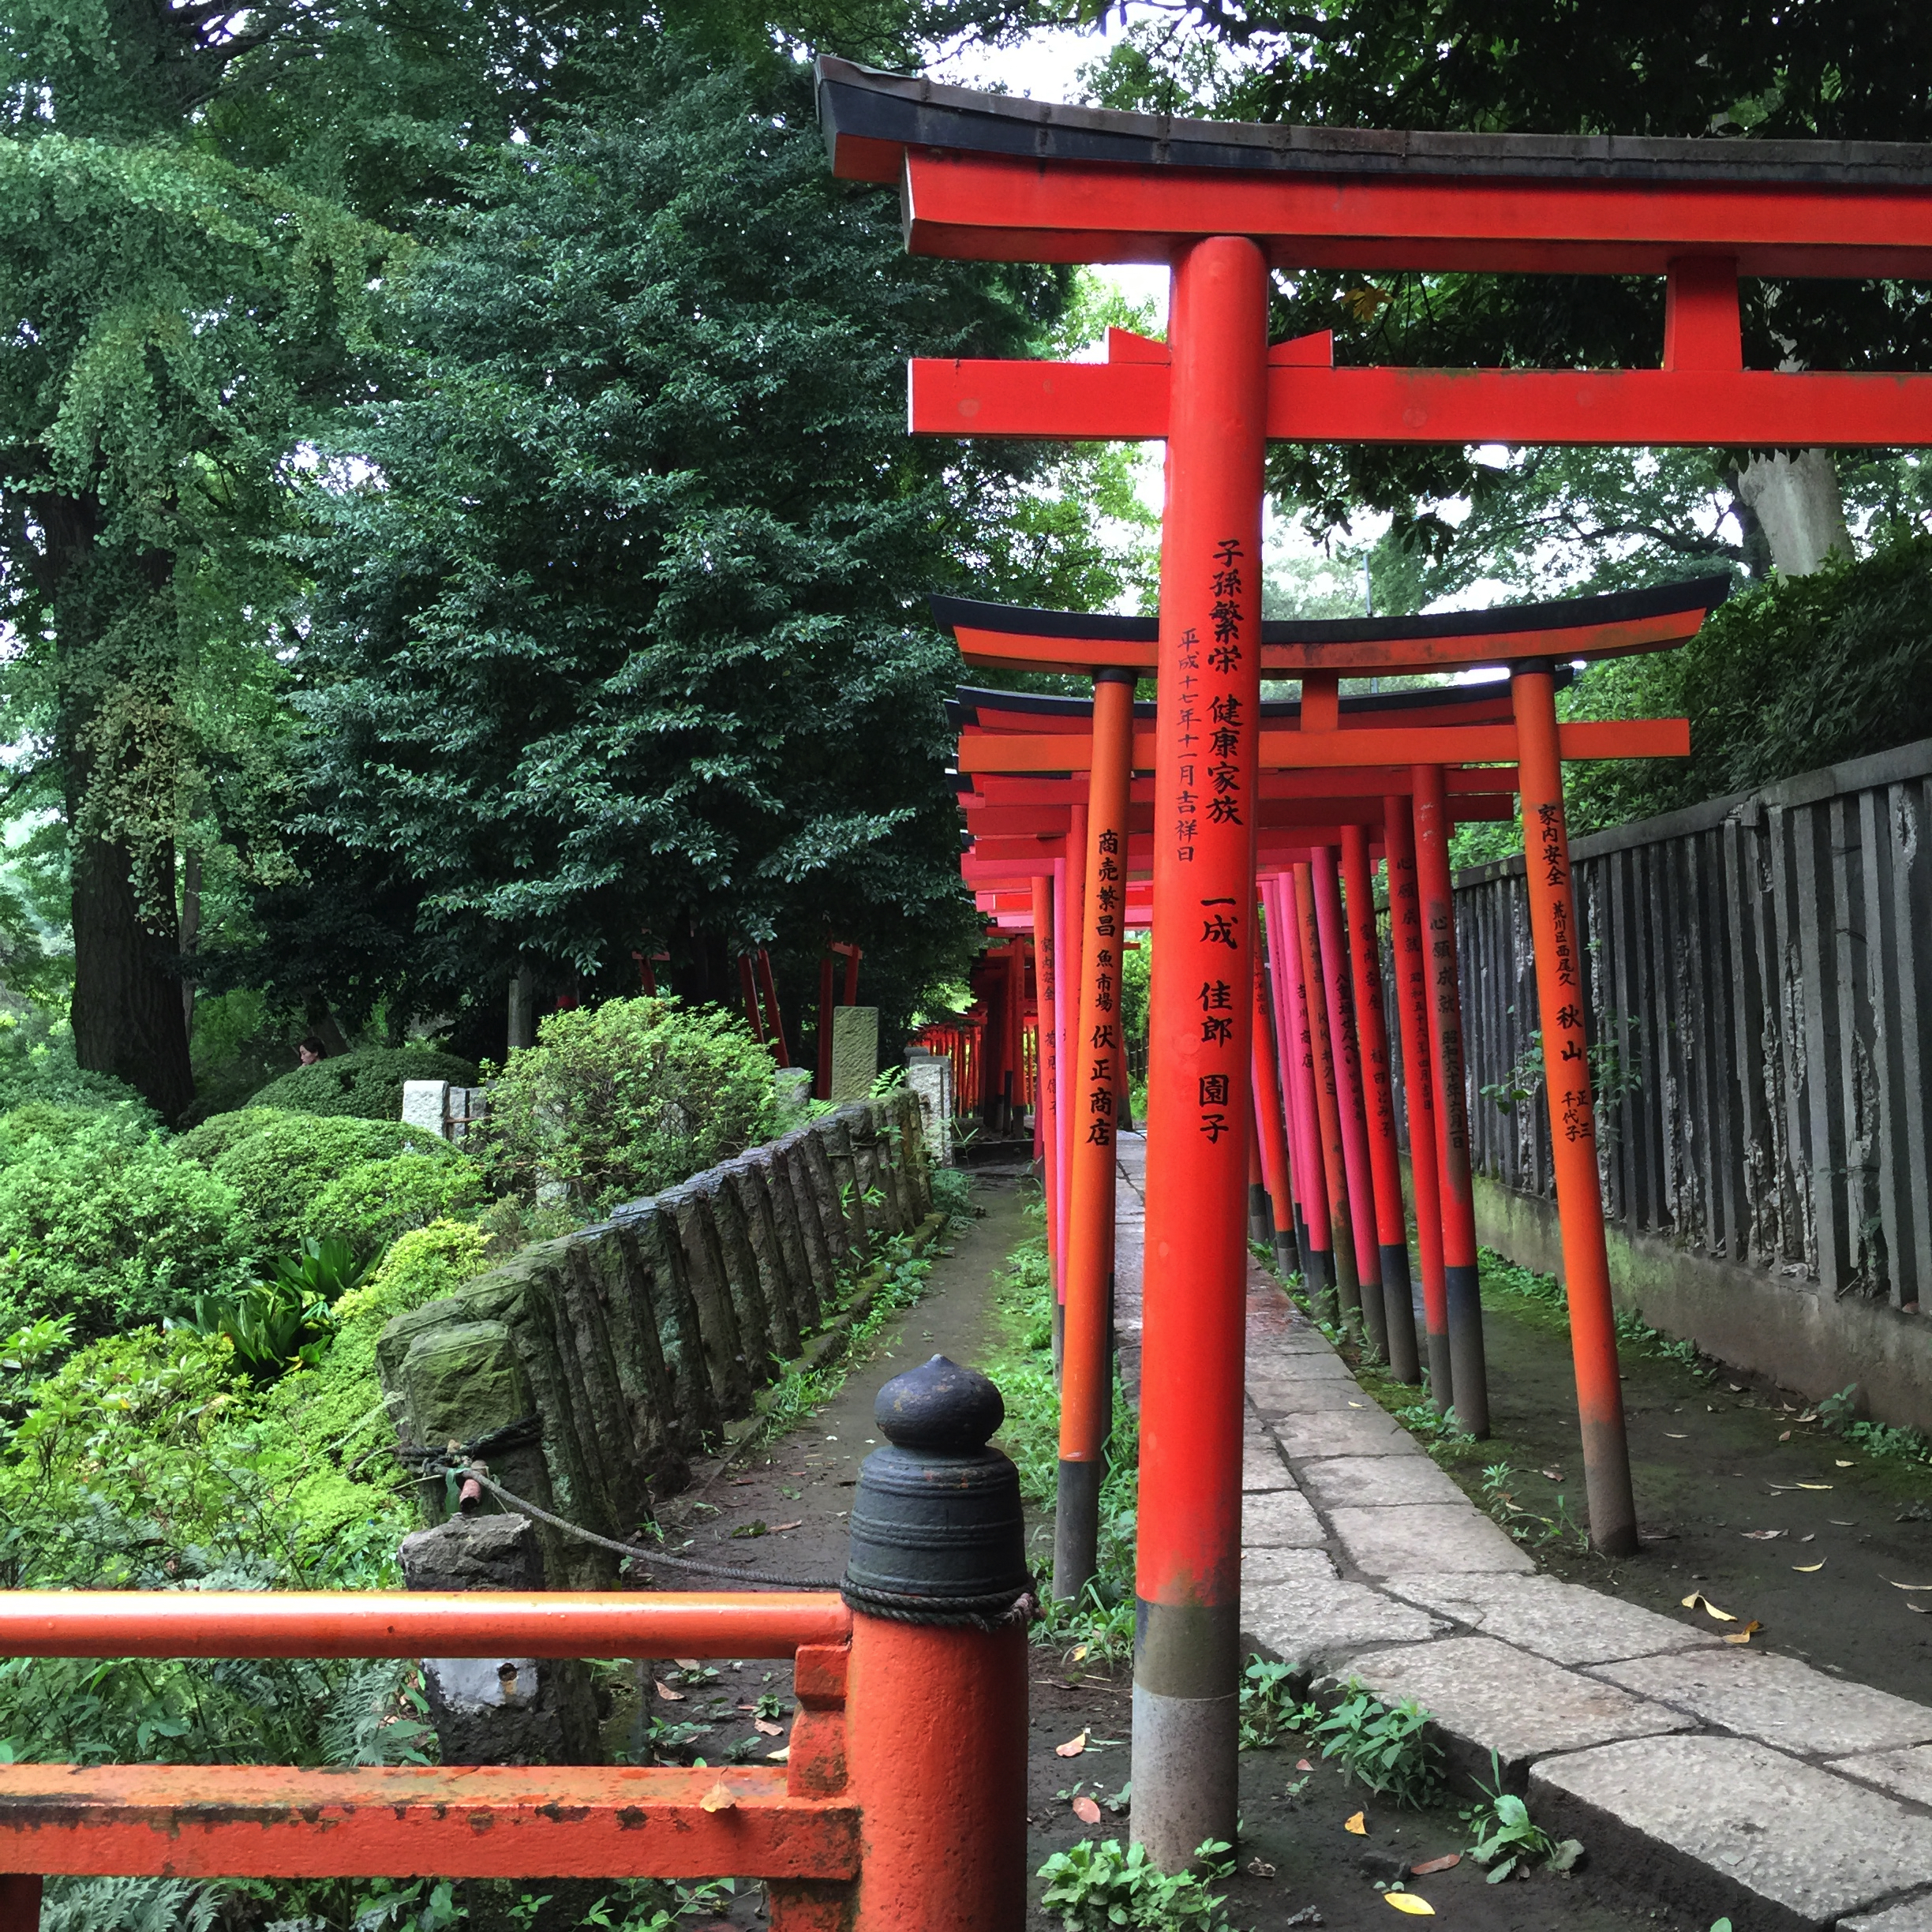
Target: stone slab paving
<point x="1702" y="1820"/>
<point x="1723" y="1779"/>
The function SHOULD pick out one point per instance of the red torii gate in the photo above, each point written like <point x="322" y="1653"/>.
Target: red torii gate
<point x="993" y="177"/>
<point x="1357" y="1255"/>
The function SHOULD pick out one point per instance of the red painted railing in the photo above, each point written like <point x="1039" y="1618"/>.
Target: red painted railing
<point x="895" y="1813"/>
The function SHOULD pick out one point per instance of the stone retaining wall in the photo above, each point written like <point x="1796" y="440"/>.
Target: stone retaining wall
<point x="637" y="1341"/>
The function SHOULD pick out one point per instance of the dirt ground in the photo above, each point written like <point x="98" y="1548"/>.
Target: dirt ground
<point x="1300" y="1867"/>
<point x="1739" y="1496"/>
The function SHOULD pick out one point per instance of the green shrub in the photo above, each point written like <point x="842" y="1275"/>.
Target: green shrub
<point x="278" y="1169"/>
<point x="334" y="1411"/>
<point x="625" y="1099"/>
<point x="208" y="1143"/>
<point x="375" y="1201"/>
<point x="108" y="1226"/>
<point x="47" y="1073"/>
<point x="60" y="1123"/>
<point x="366" y="1085"/>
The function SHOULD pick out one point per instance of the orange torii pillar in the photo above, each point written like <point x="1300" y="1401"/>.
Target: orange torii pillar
<point x="1318" y="1258"/>
<point x="1187" y="1583"/>
<point x="1047" y="1067"/>
<point x="1572" y="1112"/>
<point x="1418" y="1084"/>
<point x="1468" y="1374"/>
<point x="1304" y="1167"/>
<point x="1270" y="1130"/>
<point x="1379" y="1097"/>
<point x="1066" y="1015"/>
<point x="1086" y="1366"/>
<point x="1328" y="1107"/>
<point x="1338" y="1001"/>
<point x="1275" y="975"/>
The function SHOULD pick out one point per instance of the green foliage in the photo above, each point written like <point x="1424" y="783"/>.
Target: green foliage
<point x="953" y="1192"/>
<point x="268" y="1325"/>
<point x="1838" y="1413"/>
<point x="130" y="1905"/>
<point x="1022" y="1365"/>
<point x="208" y="1142"/>
<point x="1101" y="1888"/>
<point x="367" y="1084"/>
<point x="373" y="1202"/>
<point x="47" y="1072"/>
<point x="1269" y="1707"/>
<point x="277" y="1169"/>
<point x="625" y="1099"/>
<point x="107" y="1224"/>
<point x="1503" y="1836"/>
<point x="1389" y="1751"/>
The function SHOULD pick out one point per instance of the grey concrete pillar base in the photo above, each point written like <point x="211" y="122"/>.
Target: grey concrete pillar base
<point x="1318" y="1276"/>
<point x="1260" y="1214"/>
<point x="1076" y="1528"/>
<point x="1442" y="1373"/>
<point x="1287" y="1259"/>
<point x="1467" y="1369"/>
<point x="1398" y="1305"/>
<point x="1185" y="1773"/>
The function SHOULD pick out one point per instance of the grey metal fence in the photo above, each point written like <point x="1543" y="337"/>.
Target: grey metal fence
<point x="1760" y="991"/>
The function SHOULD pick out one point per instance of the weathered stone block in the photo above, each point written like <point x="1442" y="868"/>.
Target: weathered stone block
<point x="1276" y="1398"/>
<point x="855" y="1052"/>
<point x="1913" y="1915"/>
<point x="1484" y="1697"/>
<point x="1711" y="1825"/>
<point x="1280" y="1516"/>
<point x="1342" y="1432"/>
<point x="1443" y="1537"/>
<point x="425" y="1104"/>
<point x="1287" y="1566"/>
<point x="1314" y="1622"/>
<point x="930" y="1077"/>
<point x="1778" y="1700"/>
<point x="792" y="1193"/>
<point x="743" y="1181"/>
<point x="834" y="1135"/>
<point x="1561" y="1621"/>
<point x="757" y="1332"/>
<point x="651" y="1237"/>
<point x="725" y="1352"/>
<point x="1905" y="1773"/>
<point x="1262" y="1466"/>
<point x="1375" y="1482"/>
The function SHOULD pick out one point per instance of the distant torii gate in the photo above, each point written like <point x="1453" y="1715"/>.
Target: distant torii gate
<point x="992" y="177"/>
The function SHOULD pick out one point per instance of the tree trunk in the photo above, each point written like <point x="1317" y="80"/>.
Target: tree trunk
<point x="319" y="1016"/>
<point x="127" y="995"/>
<point x="190" y="932"/>
<point x="1798" y="502"/>
<point x="522" y="1031"/>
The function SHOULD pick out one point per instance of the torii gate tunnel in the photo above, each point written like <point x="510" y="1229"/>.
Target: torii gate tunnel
<point x="989" y="178"/>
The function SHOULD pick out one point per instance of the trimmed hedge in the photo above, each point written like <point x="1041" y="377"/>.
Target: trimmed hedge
<point x="366" y="1085"/>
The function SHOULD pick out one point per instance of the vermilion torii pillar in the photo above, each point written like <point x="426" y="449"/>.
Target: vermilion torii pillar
<point x="1086" y="1367"/>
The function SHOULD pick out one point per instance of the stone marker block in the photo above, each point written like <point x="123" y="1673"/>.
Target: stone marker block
<point x="855" y="1052"/>
<point x="498" y="1710"/>
<point x="929" y="1076"/>
<point x="1563" y="1621"/>
<point x="1908" y="1773"/>
<point x="1485" y="1696"/>
<point x="1777" y="1699"/>
<point x="791" y="1090"/>
<point x="1312" y="1622"/>
<point x="1711" y="1825"/>
<point x="1368" y="1482"/>
<point x="1280" y="1517"/>
<point x="1342" y="1431"/>
<point x="425" y="1104"/>
<point x="1914" y="1915"/>
<point x="1448" y="1538"/>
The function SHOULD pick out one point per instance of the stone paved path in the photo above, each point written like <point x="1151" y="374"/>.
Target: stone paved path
<point x="1717" y="1778"/>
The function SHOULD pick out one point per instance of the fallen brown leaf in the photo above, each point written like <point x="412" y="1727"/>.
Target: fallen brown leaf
<point x="718" y="1798"/>
<point x="781" y="1755"/>
<point x="1301" y="1764"/>
<point x="1761" y="1536"/>
<point x="665" y="1692"/>
<point x="688" y="1663"/>
<point x="1358" y="1825"/>
<point x="1676" y="1436"/>
<point x="1744" y="1635"/>
<point x="1809" y="1569"/>
<point x="1785" y="1437"/>
<point x="1086" y="1811"/>
<point x="779" y="1529"/>
<point x="1447" y="1862"/>
<point x="1408" y="1902"/>
<point x="1814" y="1485"/>
<point x="1913" y="1586"/>
<point x="1258" y="1867"/>
<point x="766" y="1727"/>
<point x="1698" y="1600"/>
<point x="1072" y="1748"/>
<point x="1841" y="1465"/>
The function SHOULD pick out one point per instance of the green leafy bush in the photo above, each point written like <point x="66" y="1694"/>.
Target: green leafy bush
<point x="208" y="1143"/>
<point x="366" y="1085"/>
<point x="376" y="1200"/>
<point x="625" y="1099"/>
<point x="48" y="1073"/>
<point x="1389" y="1751"/>
<point x="1100" y="1888"/>
<point x="278" y="1169"/>
<point x="60" y="1123"/>
<point x="105" y="1224"/>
